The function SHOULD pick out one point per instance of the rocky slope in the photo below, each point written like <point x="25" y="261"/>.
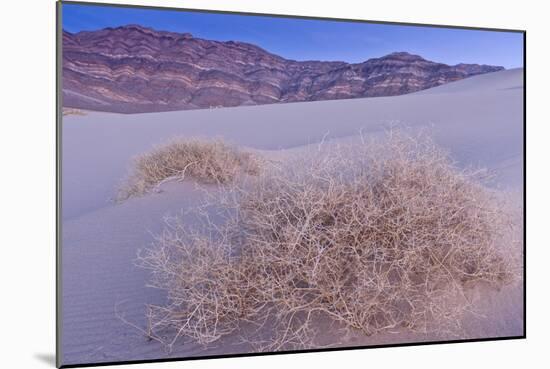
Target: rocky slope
<point x="133" y="69"/>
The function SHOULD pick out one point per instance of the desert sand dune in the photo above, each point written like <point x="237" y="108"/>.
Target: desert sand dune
<point x="480" y="125"/>
<point x="479" y="120"/>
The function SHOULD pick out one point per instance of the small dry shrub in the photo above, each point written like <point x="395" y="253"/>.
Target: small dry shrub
<point x="72" y="111"/>
<point x="207" y="161"/>
<point x="375" y="237"/>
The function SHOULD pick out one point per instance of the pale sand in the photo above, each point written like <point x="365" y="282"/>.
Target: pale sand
<point x="479" y="120"/>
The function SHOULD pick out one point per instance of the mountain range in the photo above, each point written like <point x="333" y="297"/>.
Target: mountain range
<point x="134" y="69"/>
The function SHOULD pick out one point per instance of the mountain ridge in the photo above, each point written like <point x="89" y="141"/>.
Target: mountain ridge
<point x="134" y="69"/>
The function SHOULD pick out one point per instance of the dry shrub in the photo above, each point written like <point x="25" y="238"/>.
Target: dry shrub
<point x="207" y="161"/>
<point x="72" y="111"/>
<point x="373" y="236"/>
<point x="203" y="287"/>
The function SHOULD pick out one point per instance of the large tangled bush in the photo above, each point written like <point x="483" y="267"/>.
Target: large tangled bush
<point x="373" y="236"/>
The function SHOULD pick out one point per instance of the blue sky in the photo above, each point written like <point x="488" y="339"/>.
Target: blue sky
<point x="307" y="39"/>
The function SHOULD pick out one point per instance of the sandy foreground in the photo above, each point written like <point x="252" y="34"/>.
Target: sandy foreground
<point x="479" y="120"/>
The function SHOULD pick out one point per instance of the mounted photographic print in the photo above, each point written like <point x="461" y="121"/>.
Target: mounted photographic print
<point x="240" y="184"/>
